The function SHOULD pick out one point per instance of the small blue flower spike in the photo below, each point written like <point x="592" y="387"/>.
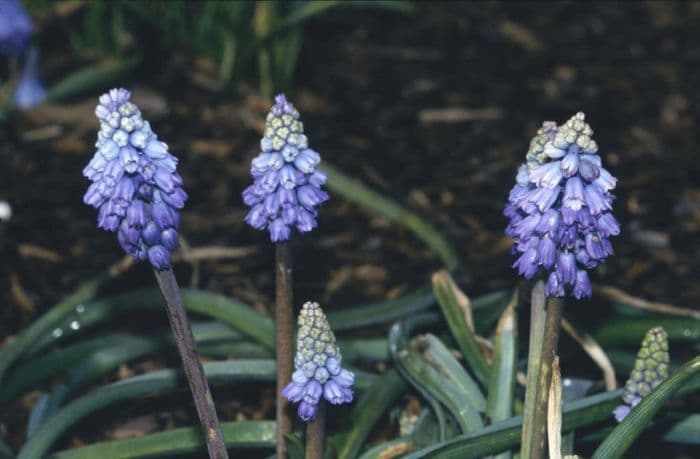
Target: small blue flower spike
<point x="650" y="370"/>
<point x="317" y="366"/>
<point x="560" y="209"/>
<point x="135" y="184"/>
<point x="286" y="190"/>
<point x="16" y="28"/>
<point x="30" y="92"/>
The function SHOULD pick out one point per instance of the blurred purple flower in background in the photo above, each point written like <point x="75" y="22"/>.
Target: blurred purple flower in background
<point x="287" y="186"/>
<point x="30" y="92"/>
<point x="16" y="27"/>
<point x="560" y="208"/>
<point x="317" y="365"/>
<point x="135" y="186"/>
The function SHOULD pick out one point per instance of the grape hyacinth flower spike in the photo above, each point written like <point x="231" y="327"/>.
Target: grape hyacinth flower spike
<point x="560" y="219"/>
<point x="318" y="375"/>
<point x="286" y="190"/>
<point x="284" y="197"/>
<point x="135" y="183"/>
<point x="650" y="370"/>
<point x="138" y="193"/>
<point x="16" y="28"/>
<point x="560" y="209"/>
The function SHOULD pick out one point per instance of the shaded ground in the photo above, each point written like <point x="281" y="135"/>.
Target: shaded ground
<point x="434" y="110"/>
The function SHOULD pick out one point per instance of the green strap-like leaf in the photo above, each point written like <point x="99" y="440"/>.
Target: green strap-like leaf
<point x="426" y="376"/>
<point x="188" y="440"/>
<point x="632" y="330"/>
<point x="355" y="191"/>
<point x="441" y="358"/>
<point x="391" y="448"/>
<point x="369" y="409"/>
<point x="33" y="372"/>
<point x="445" y="293"/>
<point x="43" y="325"/>
<point x="686" y="431"/>
<point x="381" y="312"/>
<point x="99" y="356"/>
<point x="226" y="372"/>
<point x="399" y="335"/>
<point x="295" y="447"/>
<point x="150" y="383"/>
<point x="89" y="79"/>
<point x="58" y="323"/>
<point x="505" y="435"/>
<point x="442" y="389"/>
<point x="5" y="451"/>
<point x="622" y="437"/>
<point x="499" y="405"/>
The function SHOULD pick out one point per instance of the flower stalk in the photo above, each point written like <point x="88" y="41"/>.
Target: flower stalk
<point x="194" y="372"/>
<point x="285" y="196"/>
<point x="550" y="340"/>
<point x="283" y="334"/>
<point x="315" y="432"/>
<point x="561" y="219"/>
<point x="544" y="337"/>
<point x="139" y="194"/>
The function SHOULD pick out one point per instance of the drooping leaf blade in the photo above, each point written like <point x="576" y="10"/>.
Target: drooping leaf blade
<point x="369" y="409"/>
<point x="181" y="441"/>
<point x="150" y="383"/>
<point x="499" y="404"/>
<point x="456" y="313"/>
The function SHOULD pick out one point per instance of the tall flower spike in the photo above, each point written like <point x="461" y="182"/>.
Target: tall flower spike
<point x="287" y="186"/>
<point x="135" y="184"/>
<point x="560" y="209"/>
<point x="317" y="366"/>
<point x="650" y="370"/>
<point x="16" y="27"/>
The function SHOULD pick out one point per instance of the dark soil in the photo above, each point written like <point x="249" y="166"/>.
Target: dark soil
<point x="435" y="110"/>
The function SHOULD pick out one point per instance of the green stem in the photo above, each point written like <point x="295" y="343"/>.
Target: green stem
<point x="262" y="21"/>
<point x="194" y="372"/>
<point x="537" y="321"/>
<point x="550" y="340"/>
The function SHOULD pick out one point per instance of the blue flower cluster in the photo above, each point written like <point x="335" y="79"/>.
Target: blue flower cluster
<point x="317" y="365"/>
<point x="16" y="27"/>
<point x="135" y="186"/>
<point x="30" y="92"/>
<point x="560" y="208"/>
<point x="16" y="30"/>
<point x="287" y="186"/>
<point x="650" y="370"/>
